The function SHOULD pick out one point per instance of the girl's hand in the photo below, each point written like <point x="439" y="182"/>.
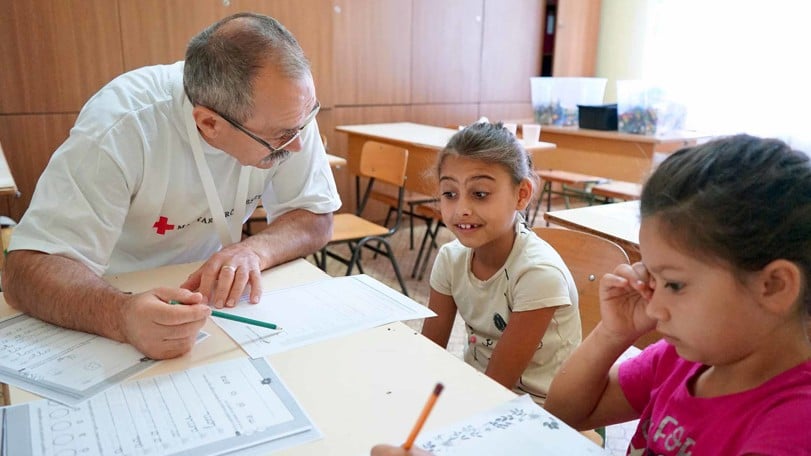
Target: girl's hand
<point x="623" y="297"/>
<point x="389" y="450"/>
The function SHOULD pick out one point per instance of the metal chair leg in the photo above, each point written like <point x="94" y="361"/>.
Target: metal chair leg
<point x="433" y="245"/>
<point x="428" y="228"/>
<point x="389" y="253"/>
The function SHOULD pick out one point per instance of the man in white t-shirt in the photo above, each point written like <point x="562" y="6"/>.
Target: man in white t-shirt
<point x="163" y="166"/>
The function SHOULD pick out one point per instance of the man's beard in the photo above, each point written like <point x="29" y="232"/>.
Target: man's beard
<point x="276" y="157"/>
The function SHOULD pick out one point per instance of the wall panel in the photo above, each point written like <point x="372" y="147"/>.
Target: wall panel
<point x="511" y="48"/>
<point x="28" y="142"/>
<point x="501" y="112"/>
<point x="445" y="115"/>
<point x="446" y="51"/>
<point x="55" y="54"/>
<point x="157" y="31"/>
<point x="576" y="38"/>
<point x="372" y="44"/>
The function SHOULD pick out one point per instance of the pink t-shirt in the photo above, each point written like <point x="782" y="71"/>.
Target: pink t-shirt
<point x="772" y="419"/>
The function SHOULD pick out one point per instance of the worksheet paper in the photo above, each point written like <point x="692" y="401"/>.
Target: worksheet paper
<point x="518" y="427"/>
<point x="317" y="311"/>
<point x="61" y="364"/>
<point x="231" y="407"/>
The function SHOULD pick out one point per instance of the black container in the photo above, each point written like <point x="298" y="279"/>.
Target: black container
<point x="599" y="117"/>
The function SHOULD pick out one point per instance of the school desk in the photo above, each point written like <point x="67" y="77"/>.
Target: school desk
<point x="610" y="154"/>
<point x="422" y="141"/>
<point x="362" y="389"/>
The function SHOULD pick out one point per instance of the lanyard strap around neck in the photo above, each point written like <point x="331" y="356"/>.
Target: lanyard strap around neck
<point x="228" y="234"/>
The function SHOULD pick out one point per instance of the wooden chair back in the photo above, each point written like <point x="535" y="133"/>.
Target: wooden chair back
<point x="384" y="162"/>
<point x="588" y="257"/>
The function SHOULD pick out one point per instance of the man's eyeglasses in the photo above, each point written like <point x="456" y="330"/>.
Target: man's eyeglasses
<point x="286" y="139"/>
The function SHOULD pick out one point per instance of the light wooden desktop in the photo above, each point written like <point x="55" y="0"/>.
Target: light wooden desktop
<point x="611" y="154"/>
<point x="335" y="161"/>
<point x="617" y="222"/>
<point x="422" y="142"/>
<point x="362" y="389"/>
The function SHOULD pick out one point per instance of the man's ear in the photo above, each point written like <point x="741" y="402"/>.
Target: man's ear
<point x="208" y="122"/>
<point x="779" y="285"/>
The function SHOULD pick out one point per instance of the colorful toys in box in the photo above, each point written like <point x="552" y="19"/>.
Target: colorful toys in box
<point x="645" y="109"/>
<point x="555" y="99"/>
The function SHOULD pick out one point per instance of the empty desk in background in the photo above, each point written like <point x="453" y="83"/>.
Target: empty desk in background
<point x="335" y="161"/>
<point x="422" y="141"/>
<point x="610" y="154"/>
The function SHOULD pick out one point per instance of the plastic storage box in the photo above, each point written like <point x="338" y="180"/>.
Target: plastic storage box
<point x="599" y="117"/>
<point x="646" y="109"/>
<point x="555" y="99"/>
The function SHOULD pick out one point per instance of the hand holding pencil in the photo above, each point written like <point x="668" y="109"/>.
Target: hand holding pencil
<point x="407" y="448"/>
<point x="423" y="416"/>
<point x="239" y="318"/>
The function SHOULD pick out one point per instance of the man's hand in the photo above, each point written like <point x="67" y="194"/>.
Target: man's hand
<point x="222" y="279"/>
<point x="160" y="330"/>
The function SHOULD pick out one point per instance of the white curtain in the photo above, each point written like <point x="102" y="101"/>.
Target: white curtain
<point x="739" y="66"/>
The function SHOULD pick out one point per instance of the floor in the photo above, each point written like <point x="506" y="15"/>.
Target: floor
<point x="380" y="268"/>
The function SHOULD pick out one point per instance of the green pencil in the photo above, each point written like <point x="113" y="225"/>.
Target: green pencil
<point x="228" y="316"/>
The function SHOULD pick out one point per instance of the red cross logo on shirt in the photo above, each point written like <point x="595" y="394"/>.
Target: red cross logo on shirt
<point x="161" y="226"/>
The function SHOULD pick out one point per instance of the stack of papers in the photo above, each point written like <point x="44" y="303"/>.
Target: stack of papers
<point x="61" y="364"/>
<point x="224" y="408"/>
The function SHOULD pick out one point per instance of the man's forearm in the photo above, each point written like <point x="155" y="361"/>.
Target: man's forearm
<point x="63" y="292"/>
<point x="294" y="235"/>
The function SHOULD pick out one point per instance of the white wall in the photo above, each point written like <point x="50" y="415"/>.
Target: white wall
<point x="621" y="49"/>
<point x="738" y="65"/>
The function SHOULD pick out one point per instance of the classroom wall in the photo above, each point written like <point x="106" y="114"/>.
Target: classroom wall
<point x="439" y="63"/>
<point x="435" y="62"/>
<point x="620" y="49"/>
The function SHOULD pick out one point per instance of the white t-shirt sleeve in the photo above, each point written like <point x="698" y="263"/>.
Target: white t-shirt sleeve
<point x="79" y="205"/>
<point x="540" y="286"/>
<point x="442" y="271"/>
<point x="303" y="181"/>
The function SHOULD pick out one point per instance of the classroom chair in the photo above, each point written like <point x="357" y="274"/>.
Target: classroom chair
<point x="589" y="257"/>
<point x="433" y="223"/>
<point x="415" y="202"/>
<point x="378" y="162"/>
<point x="572" y="185"/>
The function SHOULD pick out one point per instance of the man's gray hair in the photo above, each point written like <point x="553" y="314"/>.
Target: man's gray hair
<point x="223" y="60"/>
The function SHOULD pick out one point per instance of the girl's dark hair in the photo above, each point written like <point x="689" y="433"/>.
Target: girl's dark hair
<point x="741" y="199"/>
<point x="491" y="143"/>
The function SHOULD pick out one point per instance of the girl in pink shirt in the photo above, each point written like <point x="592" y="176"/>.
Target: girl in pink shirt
<point x="725" y="240"/>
